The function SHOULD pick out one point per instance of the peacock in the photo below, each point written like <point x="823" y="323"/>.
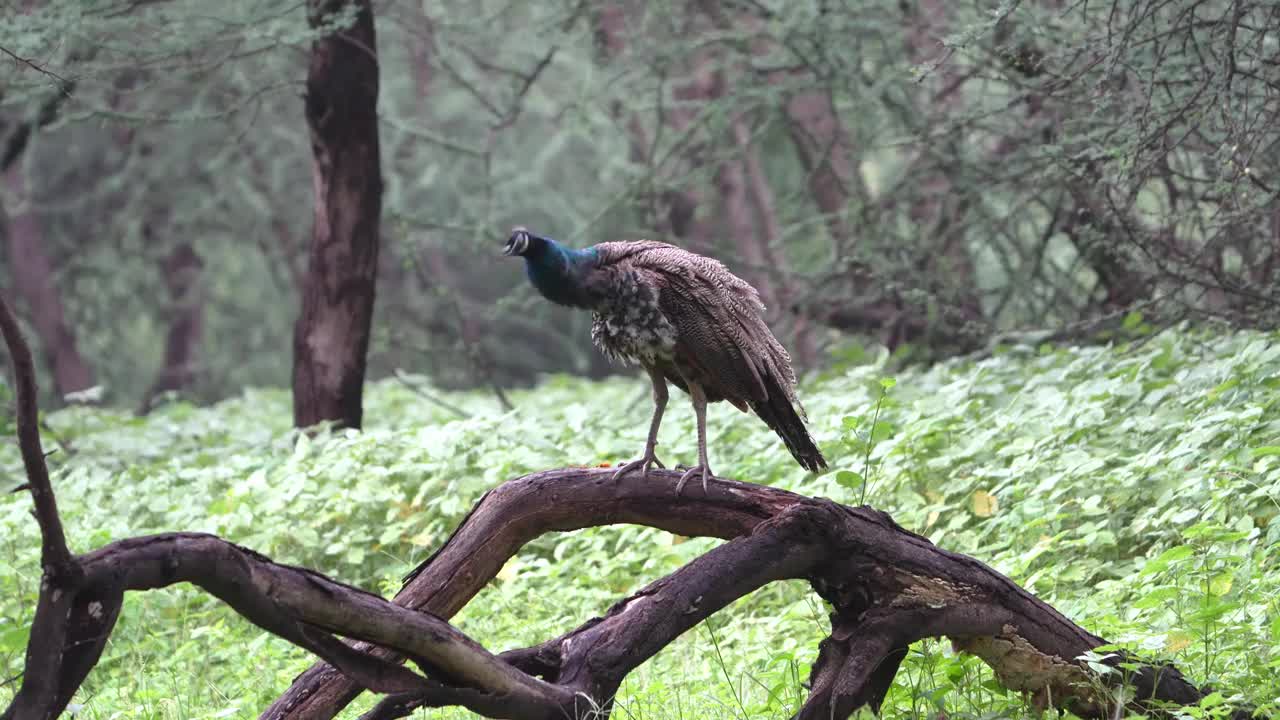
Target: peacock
<point x="686" y="319"/>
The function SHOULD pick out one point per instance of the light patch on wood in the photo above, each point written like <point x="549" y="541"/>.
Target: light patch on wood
<point x="931" y="592"/>
<point x="328" y="338"/>
<point x="1050" y="680"/>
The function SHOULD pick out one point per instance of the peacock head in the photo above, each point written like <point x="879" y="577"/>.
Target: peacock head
<point x="520" y="242"/>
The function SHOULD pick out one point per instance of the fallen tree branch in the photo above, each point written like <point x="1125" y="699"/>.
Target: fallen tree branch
<point x="887" y="587"/>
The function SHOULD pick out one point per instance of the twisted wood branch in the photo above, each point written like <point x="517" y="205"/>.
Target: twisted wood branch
<point x="887" y="588"/>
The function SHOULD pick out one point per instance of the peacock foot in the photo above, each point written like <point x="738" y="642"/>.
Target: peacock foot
<point x="695" y="470"/>
<point x="650" y="458"/>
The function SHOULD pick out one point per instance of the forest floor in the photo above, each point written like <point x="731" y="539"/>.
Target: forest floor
<point x="1134" y="487"/>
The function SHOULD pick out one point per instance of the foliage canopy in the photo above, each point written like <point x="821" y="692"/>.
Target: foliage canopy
<point x="976" y="168"/>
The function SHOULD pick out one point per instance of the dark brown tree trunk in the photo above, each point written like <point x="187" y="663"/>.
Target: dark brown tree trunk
<point x="803" y="347"/>
<point x="826" y="152"/>
<point x="33" y="281"/>
<point x="939" y="207"/>
<point x="181" y="271"/>
<point x="331" y="338"/>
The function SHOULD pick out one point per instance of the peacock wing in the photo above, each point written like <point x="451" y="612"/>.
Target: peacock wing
<point x="721" y="335"/>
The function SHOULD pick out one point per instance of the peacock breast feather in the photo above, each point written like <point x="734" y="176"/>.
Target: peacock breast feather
<point x="629" y="325"/>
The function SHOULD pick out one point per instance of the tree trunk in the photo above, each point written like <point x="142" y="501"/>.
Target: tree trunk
<point x="181" y="271"/>
<point x="33" y="281"/>
<point x="331" y="339"/>
<point x="826" y="153"/>
<point x="938" y="209"/>
<point x="784" y="307"/>
<point x="673" y="207"/>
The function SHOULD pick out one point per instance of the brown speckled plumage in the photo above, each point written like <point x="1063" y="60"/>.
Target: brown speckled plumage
<point x="688" y="320"/>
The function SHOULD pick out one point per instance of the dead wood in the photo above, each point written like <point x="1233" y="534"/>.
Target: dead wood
<point x="887" y="588"/>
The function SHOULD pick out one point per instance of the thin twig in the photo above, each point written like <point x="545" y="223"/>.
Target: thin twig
<point x="64" y="85"/>
<point x="417" y="389"/>
<point x="517" y="104"/>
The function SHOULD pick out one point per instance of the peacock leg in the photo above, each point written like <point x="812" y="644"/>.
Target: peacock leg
<point x="703" y="467"/>
<point x="650" y="446"/>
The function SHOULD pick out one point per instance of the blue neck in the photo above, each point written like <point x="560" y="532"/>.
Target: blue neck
<point x="557" y="271"/>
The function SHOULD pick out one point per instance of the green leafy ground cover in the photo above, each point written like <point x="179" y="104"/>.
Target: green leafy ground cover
<point x="1136" y="488"/>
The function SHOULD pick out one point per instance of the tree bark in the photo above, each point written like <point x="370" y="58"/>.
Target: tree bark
<point x="181" y="269"/>
<point x="888" y="588"/>
<point x="826" y="152"/>
<point x="331" y="338"/>
<point x="939" y="208"/>
<point x="33" y="279"/>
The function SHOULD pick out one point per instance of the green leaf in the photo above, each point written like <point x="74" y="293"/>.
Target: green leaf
<point x="881" y="431"/>
<point x="1213" y="699"/>
<point x="1220" y="584"/>
<point x="1167" y="558"/>
<point x="849" y="478"/>
<point x="14" y="638"/>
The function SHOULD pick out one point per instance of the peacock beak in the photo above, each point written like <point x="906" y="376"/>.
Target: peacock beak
<point x="517" y="242"/>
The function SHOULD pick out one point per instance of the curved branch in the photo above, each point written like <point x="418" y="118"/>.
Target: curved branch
<point x="61" y="575"/>
<point x="54" y="555"/>
<point x="511" y="515"/>
<point x="305" y="607"/>
<point x="890" y="587"/>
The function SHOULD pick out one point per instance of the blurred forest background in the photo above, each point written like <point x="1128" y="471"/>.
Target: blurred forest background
<point x="931" y="176"/>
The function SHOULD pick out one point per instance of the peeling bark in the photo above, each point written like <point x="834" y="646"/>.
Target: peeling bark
<point x="331" y="338"/>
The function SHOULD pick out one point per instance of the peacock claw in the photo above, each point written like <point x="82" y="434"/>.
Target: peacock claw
<point x="696" y="469"/>
<point x="649" y="458"/>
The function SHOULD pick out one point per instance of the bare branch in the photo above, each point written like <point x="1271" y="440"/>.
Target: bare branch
<point x="54" y="555"/>
<point x="65" y="86"/>
<point x="517" y="103"/>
